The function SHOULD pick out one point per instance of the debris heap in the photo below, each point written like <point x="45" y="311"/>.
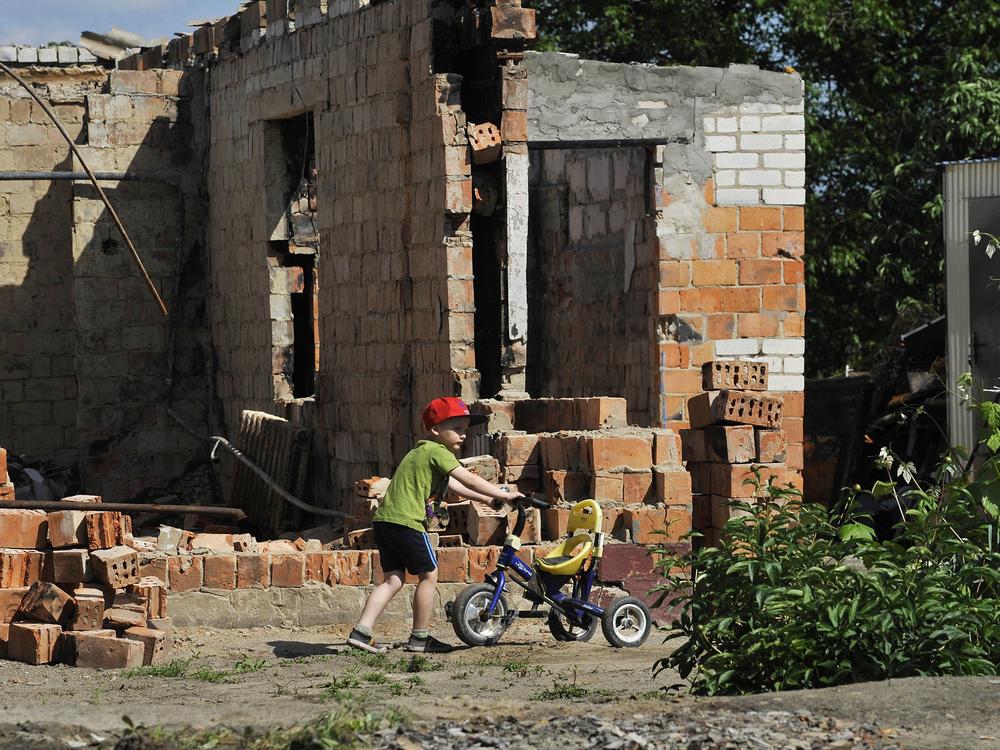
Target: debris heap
<point x="71" y="591"/>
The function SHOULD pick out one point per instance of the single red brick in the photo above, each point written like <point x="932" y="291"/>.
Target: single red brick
<point x="33" y="642"/>
<point x="185" y="573"/>
<point x="758" y="325"/>
<point x="759" y="218"/>
<point x="315" y="570"/>
<point x="678" y="522"/>
<point x="790" y="298"/>
<point x="728" y="480"/>
<point x="568" y="486"/>
<point x="794" y="218"/>
<point x="794" y="457"/>
<point x="713" y="272"/>
<point x="354" y="567"/>
<point x="793" y="428"/>
<point x="555" y="523"/>
<point x="453" y="564"/>
<point x="219" y="571"/>
<point x="23" y="529"/>
<point x="743" y="245"/>
<point x="288" y="570"/>
<point x="613" y="523"/>
<point x="607" y="486"/>
<point x="730" y="444"/>
<point x="638" y="487"/>
<point x="517" y="449"/>
<point x="760" y="271"/>
<point x="618" y="451"/>
<point x="720" y="219"/>
<point x="693" y="447"/>
<point x="741" y="299"/>
<point x="666" y="448"/>
<point x="10" y="602"/>
<point x="646" y="524"/>
<point x="672" y="485"/>
<point x="482" y="560"/>
<point x="771" y="446"/>
<point x="794" y="404"/>
<point x="785" y="244"/>
<point x="153" y="567"/>
<point x="721" y="326"/>
<point x="253" y="570"/>
<point x="598" y="412"/>
<point x="98" y="652"/>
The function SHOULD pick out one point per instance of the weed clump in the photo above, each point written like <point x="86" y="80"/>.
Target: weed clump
<point x="796" y="596"/>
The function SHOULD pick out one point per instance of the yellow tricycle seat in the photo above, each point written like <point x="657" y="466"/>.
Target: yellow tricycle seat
<point x="565" y="559"/>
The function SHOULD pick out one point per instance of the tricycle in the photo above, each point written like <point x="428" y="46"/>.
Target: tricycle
<point x="563" y="581"/>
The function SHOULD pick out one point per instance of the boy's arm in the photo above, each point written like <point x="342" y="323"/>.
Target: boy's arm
<point x="460" y="489"/>
<point x="469" y="481"/>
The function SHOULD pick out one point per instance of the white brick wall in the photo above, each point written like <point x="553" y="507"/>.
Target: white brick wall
<point x="784" y="357"/>
<point x="759" y="153"/>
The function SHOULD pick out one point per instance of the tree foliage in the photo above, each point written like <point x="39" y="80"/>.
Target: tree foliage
<point x="892" y="89"/>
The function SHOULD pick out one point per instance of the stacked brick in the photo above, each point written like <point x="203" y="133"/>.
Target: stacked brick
<point x="71" y="591"/>
<point x="572" y="449"/>
<point x="736" y="427"/>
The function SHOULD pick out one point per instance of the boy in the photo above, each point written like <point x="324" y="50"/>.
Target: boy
<point x="426" y="472"/>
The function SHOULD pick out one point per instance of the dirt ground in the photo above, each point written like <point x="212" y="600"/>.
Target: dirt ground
<point x="272" y="677"/>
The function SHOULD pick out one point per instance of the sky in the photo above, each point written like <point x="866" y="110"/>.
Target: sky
<point x="36" y="22"/>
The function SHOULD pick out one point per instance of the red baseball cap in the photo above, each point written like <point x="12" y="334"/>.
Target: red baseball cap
<point x="440" y="409"/>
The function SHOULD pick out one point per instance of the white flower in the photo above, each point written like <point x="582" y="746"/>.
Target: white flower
<point x="884" y="460"/>
<point x="977" y="236"/>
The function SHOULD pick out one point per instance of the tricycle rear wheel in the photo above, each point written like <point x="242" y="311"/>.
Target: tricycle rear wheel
<point x="563" y="630"/>
<point x="469" y="617"/>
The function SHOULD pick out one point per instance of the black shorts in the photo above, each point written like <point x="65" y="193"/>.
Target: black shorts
<point x="401" y="547"/>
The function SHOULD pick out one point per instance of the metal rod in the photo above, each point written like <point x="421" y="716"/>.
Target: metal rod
<point x="118" y="176"/>
<point x="107" y="203"/>
<point x="201" y="510"/>
<point x="597" y="143"/>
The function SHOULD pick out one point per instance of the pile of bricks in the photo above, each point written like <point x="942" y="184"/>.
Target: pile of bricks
<point x="572" y="449"/>
<point x="71" y="591"/>
<point x="736" y="427"/>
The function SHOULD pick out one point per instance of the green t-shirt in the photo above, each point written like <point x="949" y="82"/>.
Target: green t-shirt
<point x="422" y="472"/>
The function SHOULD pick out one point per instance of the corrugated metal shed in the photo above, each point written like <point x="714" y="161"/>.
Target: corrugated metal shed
<point x="964" y="182"/>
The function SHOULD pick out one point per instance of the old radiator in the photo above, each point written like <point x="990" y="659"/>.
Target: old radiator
<point x="281" y="449"/>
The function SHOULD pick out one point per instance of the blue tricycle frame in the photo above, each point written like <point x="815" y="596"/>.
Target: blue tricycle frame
<point x="481" y="615"/>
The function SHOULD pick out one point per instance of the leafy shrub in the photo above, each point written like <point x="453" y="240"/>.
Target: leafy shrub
<point x="797" y="597"/>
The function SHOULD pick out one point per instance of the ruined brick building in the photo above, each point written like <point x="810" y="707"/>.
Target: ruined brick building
<point x="353" y="207"/>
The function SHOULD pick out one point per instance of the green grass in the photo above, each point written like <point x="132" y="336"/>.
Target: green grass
<point x="418" y="663"/>
<point x="175" y="668"/>
<point x="376" y="661"/>
<point x="246" y="665"/>
<point x="207" y="674"/>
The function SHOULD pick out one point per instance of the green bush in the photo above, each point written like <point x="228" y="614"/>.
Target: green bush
<point x="797" y="597"/>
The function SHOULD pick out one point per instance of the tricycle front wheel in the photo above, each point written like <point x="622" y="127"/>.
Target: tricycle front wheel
<point x="471" y="619"/>
<point x="626" y="622"/>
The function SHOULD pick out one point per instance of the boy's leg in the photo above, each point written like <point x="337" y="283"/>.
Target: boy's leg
<point x="380" y="598"/>
<point x="361" y="636"/>
<point x="423" y="599"/>
<point x="423" y="605"/>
